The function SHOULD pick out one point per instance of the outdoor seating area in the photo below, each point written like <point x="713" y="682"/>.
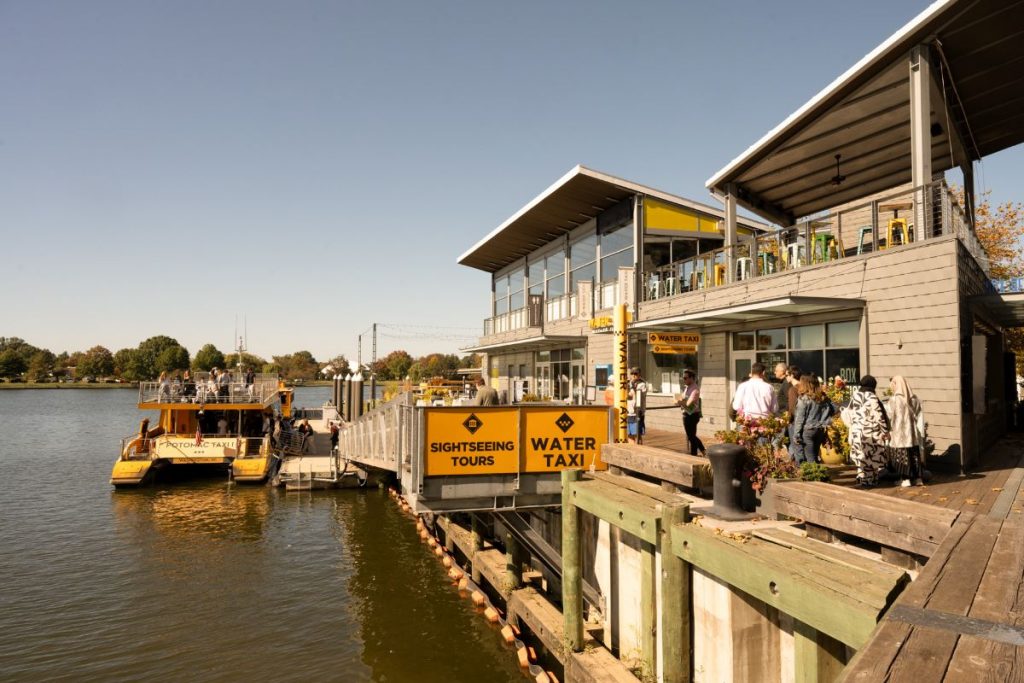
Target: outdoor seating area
<point x="200" y="389"/>
<point x="884" y="222"/>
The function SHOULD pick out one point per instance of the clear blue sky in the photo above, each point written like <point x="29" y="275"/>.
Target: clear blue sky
<point x="314" y="167"/>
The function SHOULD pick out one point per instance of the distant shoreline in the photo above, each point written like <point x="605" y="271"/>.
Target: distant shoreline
<point x="114" y="385"/>
<point x="66" y="385"/>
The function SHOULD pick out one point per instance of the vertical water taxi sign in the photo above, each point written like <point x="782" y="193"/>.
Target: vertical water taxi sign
<point x="620" y="370"/>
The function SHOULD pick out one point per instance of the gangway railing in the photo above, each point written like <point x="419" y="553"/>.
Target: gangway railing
<point x="478" y="458"/>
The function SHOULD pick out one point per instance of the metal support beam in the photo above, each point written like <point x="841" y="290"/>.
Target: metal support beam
<point x="920" y="130"/>
<point x="731" y="233"/>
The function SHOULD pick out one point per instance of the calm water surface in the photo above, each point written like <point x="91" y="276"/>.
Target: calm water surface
<point x="209" y="581"/>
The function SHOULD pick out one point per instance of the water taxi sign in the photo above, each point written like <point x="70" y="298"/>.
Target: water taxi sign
<point x="673" y="338"/>
<point x="557" y="438"/>
<point x="475" y="440"/>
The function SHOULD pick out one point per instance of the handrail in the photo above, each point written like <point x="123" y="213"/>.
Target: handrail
<point x="262" y="391"/>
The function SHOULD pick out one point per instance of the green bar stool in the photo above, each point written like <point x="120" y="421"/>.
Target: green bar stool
<point x="819" y="247"/>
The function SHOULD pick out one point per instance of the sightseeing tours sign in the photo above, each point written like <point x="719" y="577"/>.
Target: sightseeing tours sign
<point x="508" y="440"/>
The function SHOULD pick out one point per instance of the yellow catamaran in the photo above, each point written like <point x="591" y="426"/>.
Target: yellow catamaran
<point x="209" y="421"/>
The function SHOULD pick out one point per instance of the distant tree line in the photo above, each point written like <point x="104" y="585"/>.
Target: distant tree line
<point x="20" y="360"/>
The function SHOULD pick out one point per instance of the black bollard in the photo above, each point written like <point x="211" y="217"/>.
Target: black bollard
<point x="725" y="459"/>
<point x="346" y="397"/>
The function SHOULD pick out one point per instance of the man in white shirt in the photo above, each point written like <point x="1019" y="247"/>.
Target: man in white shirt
<point x="755" y="397"/>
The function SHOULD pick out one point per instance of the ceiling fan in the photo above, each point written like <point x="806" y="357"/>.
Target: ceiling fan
<point x="838" y="178"/>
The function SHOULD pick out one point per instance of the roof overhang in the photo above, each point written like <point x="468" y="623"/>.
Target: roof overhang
<point x="977" y="59"/>
<point x="538" y="343"/>
<point x="768" y="309"/>
<point x="575" y="198"/>
<point x="1007" y="309"/>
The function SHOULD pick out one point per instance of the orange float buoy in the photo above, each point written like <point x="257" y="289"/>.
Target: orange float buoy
<point x="538" y="674"/>
<point x="419" y="525"/>
<point x="552" y="678"/>
<point x="479" y="598"/>
<point x="508" y="634"/>
<point x="424" y="534"/>
<point x="456" y="574"/>
<point x="522" y="654"/>
<point x="447" y="561"/>
<point x="432" y="542"/>
<point x="439" y="551"/>
<point x="463" y="584"/>
<point x="491" y="614"/>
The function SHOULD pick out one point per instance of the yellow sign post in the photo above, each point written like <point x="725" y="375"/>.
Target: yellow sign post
<point x="620" y="370"/>
<point x="473" y="440"/>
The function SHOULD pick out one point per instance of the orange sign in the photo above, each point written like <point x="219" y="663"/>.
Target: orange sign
<point x="475" y="440"/>
<point x="557" y="438"/>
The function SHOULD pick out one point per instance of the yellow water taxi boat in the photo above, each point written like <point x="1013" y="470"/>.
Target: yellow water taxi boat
<point x="209" y="423"/>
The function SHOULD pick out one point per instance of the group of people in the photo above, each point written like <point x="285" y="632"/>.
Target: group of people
<point x="217" y="386"/>
<point x="881" y="438"/>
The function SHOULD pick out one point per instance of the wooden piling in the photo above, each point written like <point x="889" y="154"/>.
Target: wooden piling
<point x="676" y="600"/>
<point x="572" y="578"/>
<point x="513" y="562"/>
<point x="477" y="543"/>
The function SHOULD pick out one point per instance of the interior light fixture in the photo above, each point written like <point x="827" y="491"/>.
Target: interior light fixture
<point x="838" y="178"/>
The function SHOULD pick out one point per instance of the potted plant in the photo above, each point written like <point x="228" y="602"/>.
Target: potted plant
<point x="836" y="449"/>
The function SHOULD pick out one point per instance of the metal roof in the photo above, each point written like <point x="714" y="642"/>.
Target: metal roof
<point x="575" y="198"/>
<point x="978" y="70"/>
<point x="538" y="342"/>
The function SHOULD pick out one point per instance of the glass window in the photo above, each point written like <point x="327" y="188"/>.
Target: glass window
<point x="555" y="263"/>
<point x="657" y="253"/>
<point x="582" y="274"/>
<point x="515" y="280"/>
<point x="769" y="359"/>
<point x="617" y="239"/>
<point x="577" y="354"/>
<point x="516" y="301"/>
<point x="770" y="340"/>
<point x="584" y="251"/>
<point x="501" y="305"/>
<point x="807" y="337"/>
<point x="610" y="264"/>
<point x="844" y="334"/>
<point x="683" y="249"/>
<point x="742" y="341"/>
<point x="807" y="361"/>
<point x="843" y="363"/>
<point x="535" y="275"/>
<point x="543" y="356"/>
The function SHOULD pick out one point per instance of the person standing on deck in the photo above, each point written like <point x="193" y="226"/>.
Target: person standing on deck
<point x="813" y="412"/>
<point x="485" y="395"/>
<point x="637" y="403"/>
<point x="755" y="397"/>
<point x="907" y="433"/>
<point x="869" y="432"/>
<point x="689" y="401"/>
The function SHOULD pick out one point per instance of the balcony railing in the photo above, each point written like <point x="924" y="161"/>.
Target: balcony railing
<point x="506" y="322"/>
<point x="203" y="389"/>
<point x="915" y="215"/>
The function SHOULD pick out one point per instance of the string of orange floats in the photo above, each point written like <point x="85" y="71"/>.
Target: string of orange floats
<point x="525" y="654"/>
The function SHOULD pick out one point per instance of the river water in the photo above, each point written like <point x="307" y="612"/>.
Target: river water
<point x="209" y="581"/>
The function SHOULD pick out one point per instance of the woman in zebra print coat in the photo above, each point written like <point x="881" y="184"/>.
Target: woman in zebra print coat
<point x="869" y="432"/>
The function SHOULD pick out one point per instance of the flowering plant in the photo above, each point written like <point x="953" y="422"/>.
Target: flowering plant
<point x="837" y="390"/>
<point x="837" y="434"/>
<point x="765" y="440"/>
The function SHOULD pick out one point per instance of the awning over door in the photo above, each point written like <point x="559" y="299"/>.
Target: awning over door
<point x="538" y="343"/>
<point x="768" y="309"/>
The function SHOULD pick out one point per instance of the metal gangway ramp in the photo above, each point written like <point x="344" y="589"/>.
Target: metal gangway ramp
<point x="477" y="458"/>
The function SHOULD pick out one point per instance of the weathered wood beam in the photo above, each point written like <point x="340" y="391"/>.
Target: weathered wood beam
<point x="572" y="577"/>
<point x="817" y="657"/>
<point x="648" y="611"/>
<point x="792" y="582"/>
<point x="675" y="596"/>
<point x="476" y="544"/>
<point x="632" y="512"/>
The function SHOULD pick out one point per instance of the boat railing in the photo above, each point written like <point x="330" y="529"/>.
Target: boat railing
<point x="203" y="390"/>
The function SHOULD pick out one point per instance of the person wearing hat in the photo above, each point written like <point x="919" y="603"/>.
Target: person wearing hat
<point x="637" y="402"/>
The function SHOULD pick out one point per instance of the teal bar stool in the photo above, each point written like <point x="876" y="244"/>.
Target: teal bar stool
<point x="866" y="230"/>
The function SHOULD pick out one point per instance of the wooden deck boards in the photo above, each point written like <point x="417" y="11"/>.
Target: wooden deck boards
<point x="962" y="618"/>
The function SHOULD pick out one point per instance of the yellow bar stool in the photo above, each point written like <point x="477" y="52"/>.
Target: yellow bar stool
<point x="897" y="229"/>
